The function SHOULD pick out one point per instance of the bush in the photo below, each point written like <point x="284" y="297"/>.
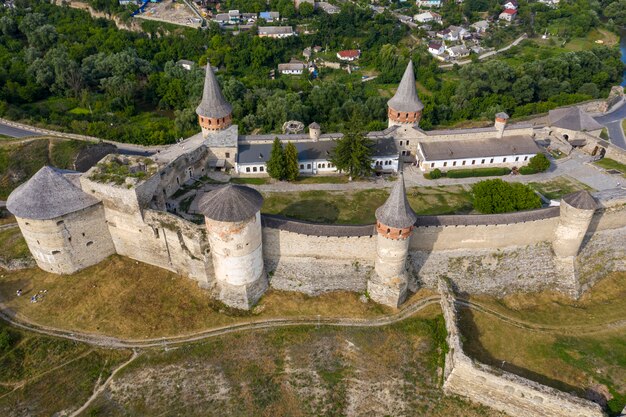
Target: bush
<point x="477" y="172"/>
<point x="527" y="170"/>
<point x="539" y="163"/>
<point x="435" y="173"/>
<point x="497" y="196"/>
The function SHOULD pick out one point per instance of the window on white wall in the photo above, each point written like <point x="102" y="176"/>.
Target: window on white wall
<point x="247" y="169"/>
<point x="308" y="166"/>
<point x="262" y="169"/>
<point x="516" y="158"/>
<point x="504" y="160"/>
<point x="432" y="165"/>
<point x="254" y="169"/>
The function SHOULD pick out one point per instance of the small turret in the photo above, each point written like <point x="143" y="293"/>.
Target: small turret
<point x="405" y="106"/>
<point x="315" y="131"/>
<point x="394" y="223"/>
<point x="500" y="123"/>
<point x="214" y="112"/>
<point x="576" y="212"/>
<point x="233" y="221"/>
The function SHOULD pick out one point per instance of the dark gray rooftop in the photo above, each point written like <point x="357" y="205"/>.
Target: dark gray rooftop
<point x="573" y="118"/>
<point x="250" y="153"/>
<point x="396" y="212"/>
<point x="48" y="195"/>
<point x="581" y="200"/>
<point x="479" y="148"/>
<point x="231" y="203"/>
<point x="213" y="103"/>
<point x="406" y="99"/>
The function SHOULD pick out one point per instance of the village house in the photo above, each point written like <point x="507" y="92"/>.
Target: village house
<point x="276" y="32"/>
<point x="270" y="17"/>
<point x="508" y="15"/>
<point x="453" y="34"/>
<point x="459" y="51"/>
<point x="436" y="48"/>
<point x="349" y="55"/>
<point x="427" y="17"/>
<point x="294" y="67"/>
<point x="428" y="3"/>
<point x="480" y="27"/>
<point x="511" y="5"/>
<point x="327" y="7"/>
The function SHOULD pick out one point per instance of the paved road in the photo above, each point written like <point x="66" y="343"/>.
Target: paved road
<point x="15" y="132"/>
<point x="613" y="123"/>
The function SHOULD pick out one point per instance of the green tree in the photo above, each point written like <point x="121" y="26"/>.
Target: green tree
<point x="497" y="196"/>
<point x="539" y="163"/>
<point x="305" y="9"/>
<point x="353" y="154"/>
<point x="276" y="163"/>
<point x="291" y="161"/>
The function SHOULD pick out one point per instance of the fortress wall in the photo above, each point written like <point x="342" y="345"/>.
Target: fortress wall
<point x="176" y="173"/>
<point x="473" y="135"/>
<point x="68" y="243"/>
<point x="317" y="264"/>
<point x="602" y="251"/>
<point x="498" y="389"/>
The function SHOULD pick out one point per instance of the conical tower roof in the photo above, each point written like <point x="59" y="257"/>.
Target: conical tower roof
<point x="48" y="195"/>
<point x="396" y="212"/>
<point x="213" y="103"/>
<point x="581" y="200"/>
<point x="231" y="203"/>
<point x="406" y="99"/>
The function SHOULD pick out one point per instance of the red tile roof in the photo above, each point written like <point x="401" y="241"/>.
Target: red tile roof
<point x="350" y="53"/>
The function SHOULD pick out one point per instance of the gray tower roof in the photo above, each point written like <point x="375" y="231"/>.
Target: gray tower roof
<point x="573" y="118"/>
<point x="213" y="103"/>
<point x="48" y="195"/>
<point x="406" y="99"/>
<point x="581" y="200"/>
<point x="396" y="212"/>
<point x="231" y="203"/>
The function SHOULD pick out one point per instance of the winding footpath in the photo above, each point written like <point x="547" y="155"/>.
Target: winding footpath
<point x="267" y="324"/>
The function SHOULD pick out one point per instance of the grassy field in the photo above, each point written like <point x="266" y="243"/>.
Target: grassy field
<point x="44" y="375"/>
<point x="123" y="298"/>
<point x="12" y="245"/>
<point x="608" y="163"/>
<point x="358" y="207"/>
<point x="559" y="187"/>
<point x="299" y="371"/>
<point x="568" y="358"/>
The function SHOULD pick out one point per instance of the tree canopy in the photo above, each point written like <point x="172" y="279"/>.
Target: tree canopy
<point x="498" y="196"/>
<point x="353" y="155"/>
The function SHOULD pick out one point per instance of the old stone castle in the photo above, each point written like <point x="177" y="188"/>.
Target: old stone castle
<point x="120" y="206"/>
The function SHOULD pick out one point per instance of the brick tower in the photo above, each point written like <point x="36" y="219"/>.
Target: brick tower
<point x="214" y="112"/>
<point x="405" y="106"/>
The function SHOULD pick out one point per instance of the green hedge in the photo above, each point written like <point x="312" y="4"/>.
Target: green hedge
<point x="477" y="172"/>
<point x="526" y="170"/>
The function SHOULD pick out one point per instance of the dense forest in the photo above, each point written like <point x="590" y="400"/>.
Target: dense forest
<point x="61" y="68"/>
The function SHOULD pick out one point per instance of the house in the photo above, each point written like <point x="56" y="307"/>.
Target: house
<point x="349" y="55"/>
<point x="307" y="52"/>
<point x="428" y="3"/>
<point x="511" y="5"/>
<point x="186" y="64"/>
<point x="270" y="16"/>
<point x="508" y="14"/>
<point x="459" y="33"/>
<point x="276" y="32"/>
<point x="436" y="48"/>
<point x="550" y="3"/>
<point x="127" y="2"/>
<point x="248" y="17"/>
<point x="427" y="17"/>
<point x="481" y="26"/>
<point x="294" y="67"/>
<point x="234" y="17"/>
<point x="222" y="18"/>
<point x="459" y="51"/>
<point x="327" y="7"/>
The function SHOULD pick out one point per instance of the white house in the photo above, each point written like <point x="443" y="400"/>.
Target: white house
<point x="508" y="15"/>
<point x="427" y="17"/>
<point x="481" y="26"/>
<point x="453" y="34"/>
<point x="436" y="48"/>
<point x="508" y="151"/>
<point x="327" y="7"/>
<point x="459" y="51"/>
<point x="428" y="3"/>
<point x="276" y="32"/>
<point x="349" y="55"/>
<point x="511" y="5"/>
<point x="293" y="68"/>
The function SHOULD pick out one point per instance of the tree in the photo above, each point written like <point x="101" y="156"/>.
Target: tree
<point x="497" y="196"/>
<point x="539" y="163"/>
<point x="276" y="163"/>
<point x="291" y="161"/>
<point x="353" y="154"/>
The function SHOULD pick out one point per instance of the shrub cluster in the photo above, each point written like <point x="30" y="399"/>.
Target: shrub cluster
<point x="497" y="196"/>
<point x="466" y="173"/>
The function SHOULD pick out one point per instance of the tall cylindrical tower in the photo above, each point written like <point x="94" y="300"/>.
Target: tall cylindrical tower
<point x="405" y="107"/>
<point x="577" y="210"/>
<point x="214" y="112"/>
<point x="394" y="223"/>
<point x="500" y="123"/>
<point x="233" y="221"/>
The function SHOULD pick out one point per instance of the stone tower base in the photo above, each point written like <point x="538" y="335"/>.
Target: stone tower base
<point x="390" y="292"/>
<point x="243" y="297"/>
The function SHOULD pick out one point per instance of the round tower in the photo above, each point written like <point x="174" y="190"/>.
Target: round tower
<point x="394" y="223"/>
<point x="576" y="212"/>
<point x="500" y="123"/>
<point x="64" y="227"/>
<point x="405" y="107"/>
<point x="214" y="112"/>
<point x="315" y="131"/>
<point x="233" y="221"/>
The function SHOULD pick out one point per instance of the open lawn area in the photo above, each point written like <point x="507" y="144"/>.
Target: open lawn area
<point x="559" y="187"/>
<point x="12" y="245"/>
<point x="358" y="207"/>
<point x="608" y="163"/>
<point x="124" y="298"/>
<point x="578" y="352"/>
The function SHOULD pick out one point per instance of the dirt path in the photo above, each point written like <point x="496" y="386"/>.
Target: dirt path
<point x="112" y="342"/>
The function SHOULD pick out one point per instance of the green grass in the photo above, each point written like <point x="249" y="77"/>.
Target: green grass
<point x="558" y="187"/>
<point x="12" y="245"/>
<point x="608" y="163"/>
<point x="18" y="162"/>
<point x="80" y="111"/>
<point x="64" y="152"/>
<point x="358" y="207"/>
<point x="321" y="179"/>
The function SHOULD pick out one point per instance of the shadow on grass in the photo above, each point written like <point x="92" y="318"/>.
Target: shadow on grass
<point x="313" y="210"/>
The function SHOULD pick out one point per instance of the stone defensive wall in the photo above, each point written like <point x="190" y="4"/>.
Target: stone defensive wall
<point x="494" y="254"/>
<point x="496" y="388"/>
